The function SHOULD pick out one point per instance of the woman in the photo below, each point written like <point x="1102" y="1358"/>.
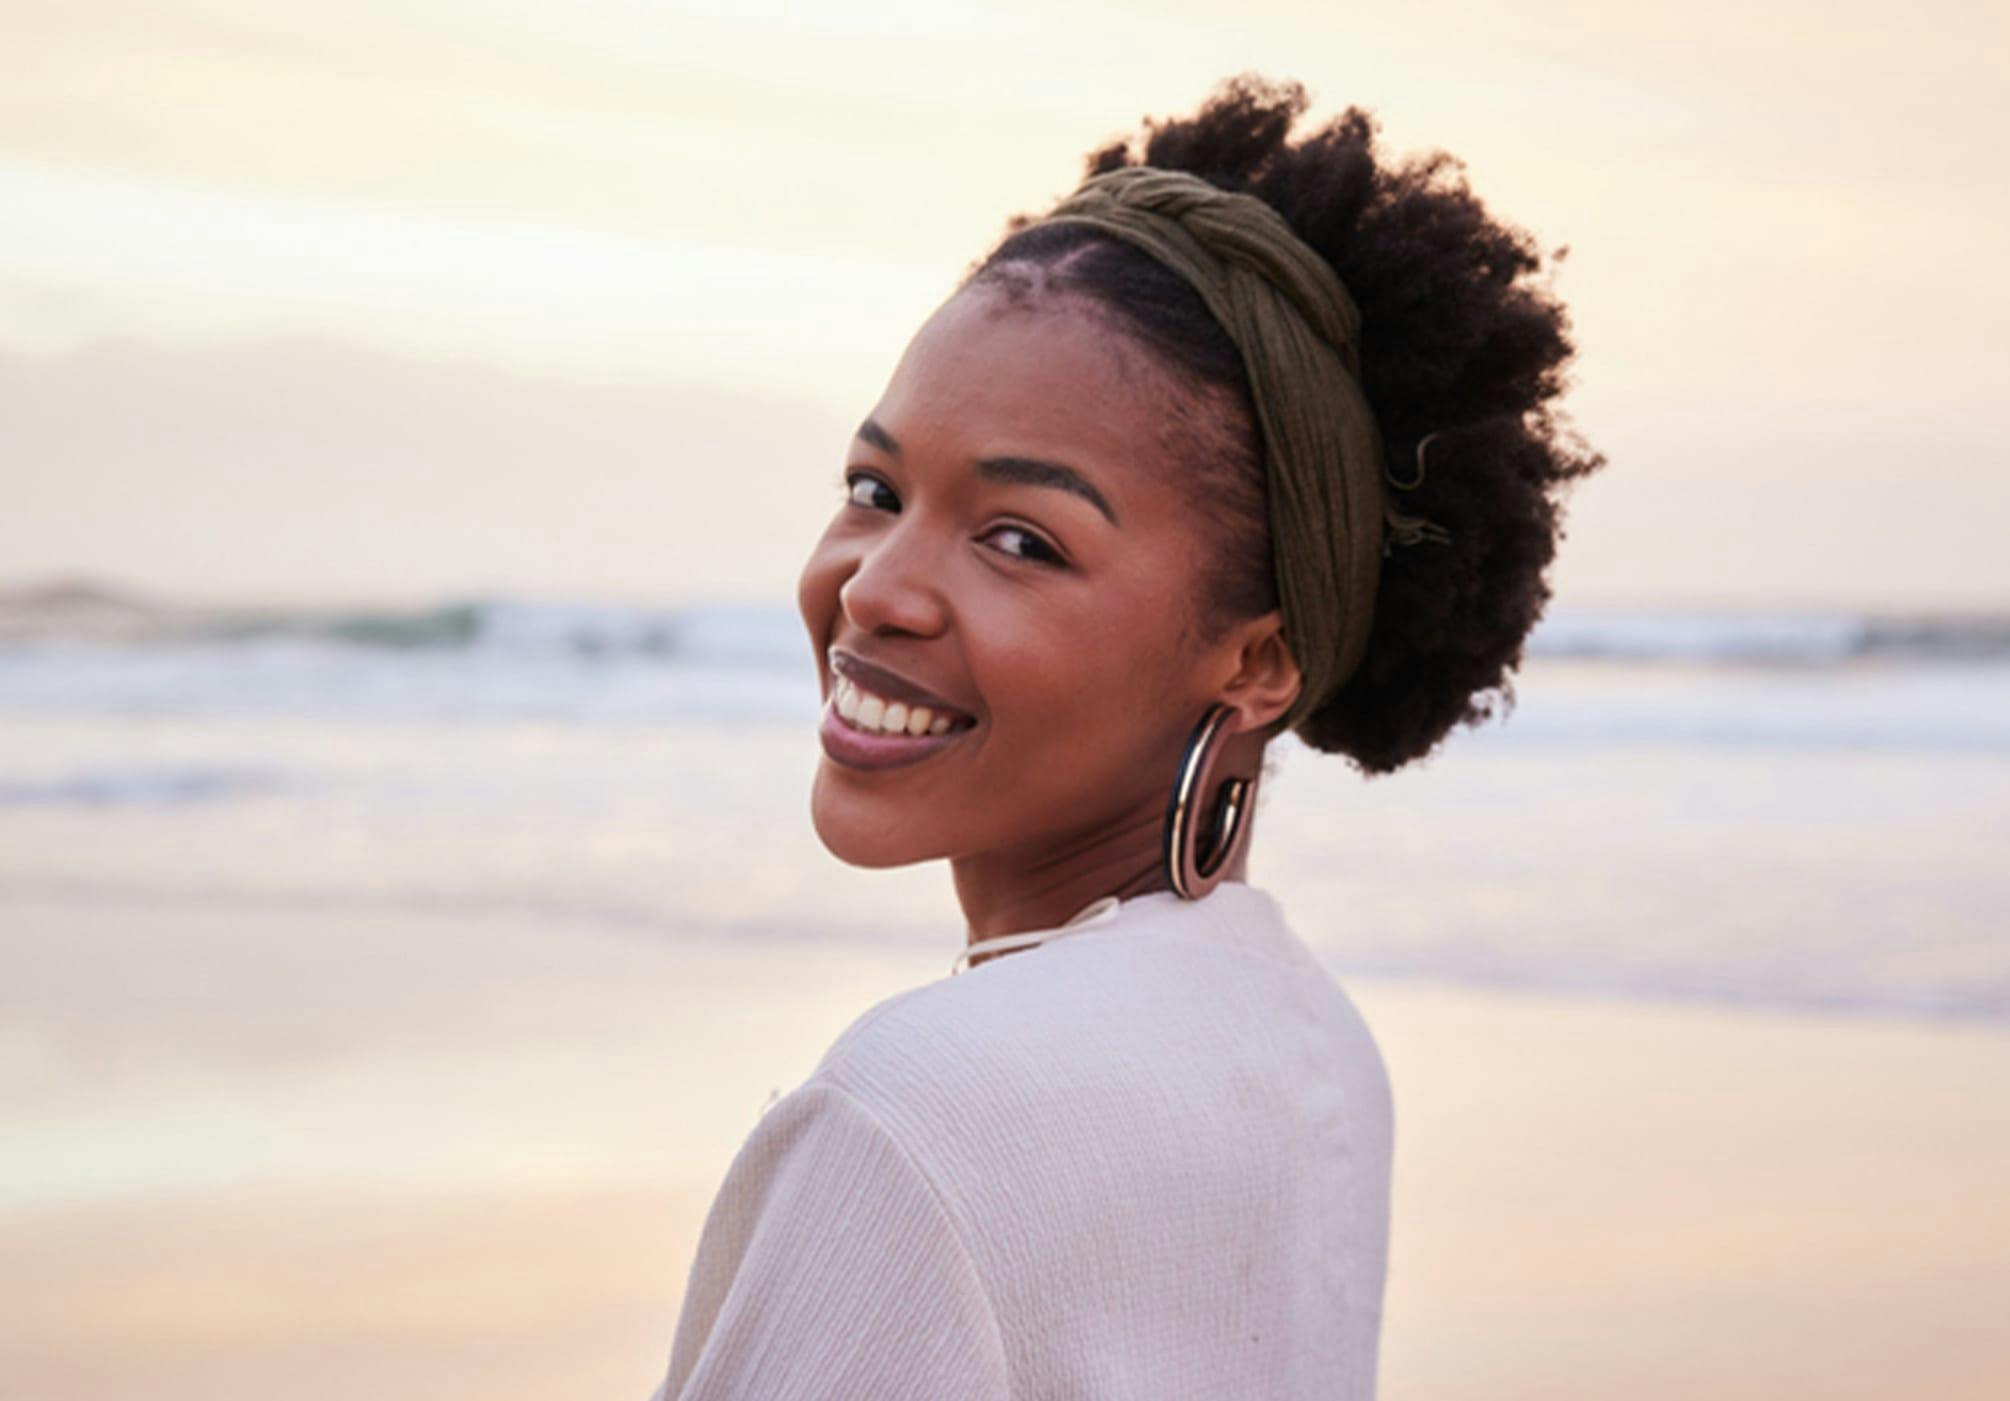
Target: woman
<point x="1250" y="434"/>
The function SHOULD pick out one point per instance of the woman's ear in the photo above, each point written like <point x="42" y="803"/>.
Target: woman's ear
<point x="1263" y="679"/>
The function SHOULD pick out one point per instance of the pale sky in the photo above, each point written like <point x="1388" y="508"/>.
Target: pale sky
<point x="373" y="300"/>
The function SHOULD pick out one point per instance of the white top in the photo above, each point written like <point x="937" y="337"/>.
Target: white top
<point x="1149" y="1159"/>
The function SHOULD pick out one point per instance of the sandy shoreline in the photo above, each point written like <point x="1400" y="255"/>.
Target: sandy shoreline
<point x="1611" y="1199"/>
<point x="1593" y="1199"/>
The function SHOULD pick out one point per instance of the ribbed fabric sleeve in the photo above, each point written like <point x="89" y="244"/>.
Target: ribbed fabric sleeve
<point x="828" y="1268"/>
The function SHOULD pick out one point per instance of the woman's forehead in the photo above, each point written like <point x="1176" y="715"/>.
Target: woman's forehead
<point x="1051" y="372"/>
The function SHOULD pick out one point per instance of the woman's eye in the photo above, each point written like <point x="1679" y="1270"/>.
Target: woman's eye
<point x="1031" y="546"/>
<point x="864" y="489"/>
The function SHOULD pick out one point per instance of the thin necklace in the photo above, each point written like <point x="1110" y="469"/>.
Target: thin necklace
<point x="1094" y="913"/>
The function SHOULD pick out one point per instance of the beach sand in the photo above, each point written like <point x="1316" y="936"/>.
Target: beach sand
<point x="1612" y="1199"/>
<point x="1592" y="1198"/>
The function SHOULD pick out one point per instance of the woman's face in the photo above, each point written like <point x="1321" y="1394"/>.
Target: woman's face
<point x="1018" y="542"/>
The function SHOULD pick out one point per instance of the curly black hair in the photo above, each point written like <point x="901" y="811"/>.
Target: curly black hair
<point x="1458" y="338"/>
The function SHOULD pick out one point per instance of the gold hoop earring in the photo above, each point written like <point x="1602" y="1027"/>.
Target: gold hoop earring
<point x="1203" y="839"/>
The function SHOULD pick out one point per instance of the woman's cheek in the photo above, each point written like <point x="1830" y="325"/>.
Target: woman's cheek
<point x="1031" y="677"/>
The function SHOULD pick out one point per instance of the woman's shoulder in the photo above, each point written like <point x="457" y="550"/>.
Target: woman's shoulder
<point x="1111" y="974"/>
<point x="1134" y="1017"/>
<point x="1185" y="1057"/>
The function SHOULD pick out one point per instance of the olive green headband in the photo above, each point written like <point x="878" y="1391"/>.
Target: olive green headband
<point x="1331" y="519"/>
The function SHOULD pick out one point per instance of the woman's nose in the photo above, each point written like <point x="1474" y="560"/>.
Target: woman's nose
<point x="895" y="588"/>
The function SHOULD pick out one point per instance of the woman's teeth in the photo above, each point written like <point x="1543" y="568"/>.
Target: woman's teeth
<point x="865" y="711"/>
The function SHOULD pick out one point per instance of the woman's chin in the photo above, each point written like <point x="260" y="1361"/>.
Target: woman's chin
<point x="862" y="833"/>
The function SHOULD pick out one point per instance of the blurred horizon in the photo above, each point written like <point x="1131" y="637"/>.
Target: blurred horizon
<point x="80" y="589"/>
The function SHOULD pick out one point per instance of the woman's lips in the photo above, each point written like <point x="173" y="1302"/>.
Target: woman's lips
<point x="860" y="749"/>
<point x="889" y="685"/>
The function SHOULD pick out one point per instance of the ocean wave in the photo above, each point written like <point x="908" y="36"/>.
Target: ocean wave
<point x="1779" y="680"/>
<point x="1785" y="638"/>
<point x="92" y="615"/>
<point x="772" y="634"/>
<point x="138" y="786"/>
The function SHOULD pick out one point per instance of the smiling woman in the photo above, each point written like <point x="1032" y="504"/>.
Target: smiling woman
<point x="1017" y="528"/>
<point x="1135" y="501"/>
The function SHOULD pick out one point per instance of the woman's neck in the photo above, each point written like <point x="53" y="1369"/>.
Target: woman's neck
<point x="1011" y="892"/>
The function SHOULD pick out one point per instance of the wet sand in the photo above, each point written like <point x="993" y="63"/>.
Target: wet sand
<point x="1592" y="1198"/>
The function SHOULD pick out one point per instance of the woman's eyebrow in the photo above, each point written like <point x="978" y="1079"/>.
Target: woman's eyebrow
<point x="1032" y="471"/>
<point x="1024" y="471"/>
<point x="871" y="432"/>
